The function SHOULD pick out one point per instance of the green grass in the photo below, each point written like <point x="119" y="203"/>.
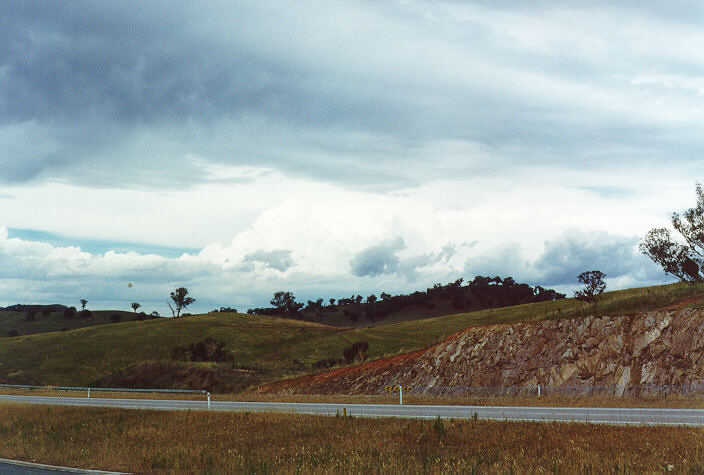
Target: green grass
<point x="54" y="321"/>
<point x="272" y="348"/>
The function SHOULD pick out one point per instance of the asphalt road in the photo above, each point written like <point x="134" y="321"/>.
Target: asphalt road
<point x="17" y="467"/>
<point x="620" y="416"/>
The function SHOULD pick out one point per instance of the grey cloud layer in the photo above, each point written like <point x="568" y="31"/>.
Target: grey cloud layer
<point x="118" y="91"/>
<point x="566" y="256"/>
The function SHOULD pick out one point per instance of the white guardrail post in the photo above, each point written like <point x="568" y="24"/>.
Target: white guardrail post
<point x="538" y="390"/>
<point x="208" y="399"/>
<point x="88" y="393"/>
<point x="400" y="395"/>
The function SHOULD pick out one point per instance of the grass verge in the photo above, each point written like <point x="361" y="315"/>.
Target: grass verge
<point x="156" y="441"/>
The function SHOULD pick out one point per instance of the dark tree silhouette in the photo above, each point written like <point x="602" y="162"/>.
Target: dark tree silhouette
<point x="683" y="260"/>
<point x="285" y="303"/>
<point x="83" y="304"/>
<point x="594" y="285"/>
<point x="371" y="301"/>
<point x="181" y="300"/>
<point x="135" y="306"/>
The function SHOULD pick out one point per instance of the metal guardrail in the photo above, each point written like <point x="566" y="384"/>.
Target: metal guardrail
<point x="115" y="390"/>
<point x="648" y="390"/>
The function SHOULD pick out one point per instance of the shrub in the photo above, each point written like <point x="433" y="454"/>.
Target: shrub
<point x="357" y="350"/>
<point x="439" y="427"/>
<point x="85" y="314"/>
<point x="70" y="312"/>
<point x="326" y="363"/>
<point x="115" y="318"/>
<point x="208" y="349"/>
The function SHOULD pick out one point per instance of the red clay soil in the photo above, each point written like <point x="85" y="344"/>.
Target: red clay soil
<point x="315" y="379"/>
<point x="366" y="367"/>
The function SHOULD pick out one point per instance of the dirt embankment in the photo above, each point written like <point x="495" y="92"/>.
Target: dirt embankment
<point x="655" y="348"/>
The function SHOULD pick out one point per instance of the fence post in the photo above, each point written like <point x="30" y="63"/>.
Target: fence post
<point x="538" y="390"/>
<point x="208" y="400"/>
<point x="400" y="395"/>
<point x="88" y="393"/>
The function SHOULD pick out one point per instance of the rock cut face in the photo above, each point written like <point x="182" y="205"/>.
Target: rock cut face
<point x="615" y="352"/>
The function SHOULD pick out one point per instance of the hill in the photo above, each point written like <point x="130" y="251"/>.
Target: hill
<point x="266" y="349"/>
<point x="32" y="319"/>
<point x="638" y="354"/>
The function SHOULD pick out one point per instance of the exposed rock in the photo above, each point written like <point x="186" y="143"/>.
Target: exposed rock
<point x="620" y="352"/>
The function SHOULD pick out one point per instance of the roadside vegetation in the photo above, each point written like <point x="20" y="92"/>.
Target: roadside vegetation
<point x="143" y="441"/>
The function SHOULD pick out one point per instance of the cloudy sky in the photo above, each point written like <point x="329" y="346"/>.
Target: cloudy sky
<point x="329" y="148"/>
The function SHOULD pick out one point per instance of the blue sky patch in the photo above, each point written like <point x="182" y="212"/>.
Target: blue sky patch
<point x="98" y="246"/>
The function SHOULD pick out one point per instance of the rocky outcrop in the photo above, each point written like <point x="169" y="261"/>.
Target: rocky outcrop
<point x="619" y="352"/>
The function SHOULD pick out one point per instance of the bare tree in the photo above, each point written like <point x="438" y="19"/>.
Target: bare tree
<point x="135" y="306"/>
<point x="83" y="304"/>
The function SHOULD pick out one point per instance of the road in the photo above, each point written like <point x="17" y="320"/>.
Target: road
<point x="619" y="416"/>
<point x="17" y="467"/>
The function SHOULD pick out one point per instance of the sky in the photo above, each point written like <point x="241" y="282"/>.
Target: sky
<point x="332" y="148"/>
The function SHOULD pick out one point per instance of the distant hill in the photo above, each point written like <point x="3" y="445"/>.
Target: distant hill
<point x="17" y="320"/>
<point x="37" y="308"/>
<point x="455" y="297"/>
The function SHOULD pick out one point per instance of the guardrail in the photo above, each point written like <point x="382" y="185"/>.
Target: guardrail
<point x="645" y="390"/>
<point x="115" y="390"/>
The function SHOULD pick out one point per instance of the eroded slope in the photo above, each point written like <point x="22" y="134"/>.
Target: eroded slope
<point x="663" y="348"/>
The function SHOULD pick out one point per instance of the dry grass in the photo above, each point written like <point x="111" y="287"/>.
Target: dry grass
<point x="155" y="441"/>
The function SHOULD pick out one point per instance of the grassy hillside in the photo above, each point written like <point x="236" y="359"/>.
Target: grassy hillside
<point x="54" y="321"/>
<point x="269" y="348"/>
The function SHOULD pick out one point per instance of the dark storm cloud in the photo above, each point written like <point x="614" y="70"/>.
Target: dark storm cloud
<point x="568" y="256"/>
<point x="121" y="92"/>
<point x="278" y="259"/>
<point x="565" y="257"/>
<point x="378" y="259"/>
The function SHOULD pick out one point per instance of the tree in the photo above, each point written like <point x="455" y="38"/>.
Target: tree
<point x="285" y="303"/>
<point x="594" y="285"/>
<point x="684" y="261"/>
<point x="181" y="300"/>
<point x="371" y="300"/>
<point x="83" y="304"/>
<point x="135" y="306"/>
